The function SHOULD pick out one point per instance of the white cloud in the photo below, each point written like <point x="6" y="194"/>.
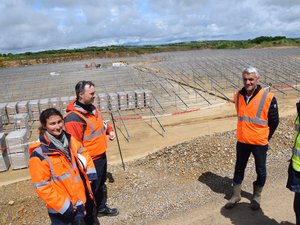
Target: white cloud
<point x="30" y="25"/>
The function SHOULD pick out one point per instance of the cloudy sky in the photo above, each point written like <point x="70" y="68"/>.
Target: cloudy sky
<point x="35" y="25"/>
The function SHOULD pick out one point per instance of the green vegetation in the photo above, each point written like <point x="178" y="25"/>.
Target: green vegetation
<point x="259" y="42"/>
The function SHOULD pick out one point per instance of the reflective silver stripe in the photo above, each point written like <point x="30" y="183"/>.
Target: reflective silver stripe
<point x="53" y="211"/>
<point x="98" y="133"/>
<point x="296" y="152"/>
<point x="55" y="178"/>
<point x="62" y="177"/>
<point x="79" y="203"/>
<point x="91" y="125"/>
<point x="40" y="151"/>
<point x="261" y="104"/>
<point x="74" y="165"/>
<point x="76" y="179"/>
<point x="65" y="206"/>
<point x="92" y="176"/>
<point x="80" y="150"/>
<point x="63" y="209"/>
<point x="93" y="133"/>
<point x="253" y="120"/>
<point x="256" y="120"/>
<point x="41" y="184"/>
<point x="90" y="171"/>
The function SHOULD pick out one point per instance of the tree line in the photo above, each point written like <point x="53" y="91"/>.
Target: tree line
<point x="262" y="41"/>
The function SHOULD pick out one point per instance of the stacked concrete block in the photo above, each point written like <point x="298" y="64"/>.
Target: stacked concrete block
<point x="55" y="103"/>
<point x="122" y="99"/>
<point x="4" y="160"/>
<point x="103" y="102"/>
<point x="3" y="113"/>
<point x="22" y="122"/>
<point x="11" y="110"/>
<point x="17" y="148"/>
<point x="22" y="106"/>
<point x="140" y="98"/>
<point x="16" y="141"/>
<point x="148" y="98"/>
<point x="33" y="109"/>
<point x="130" y="99"/>
<point x="113" y="102"/>
<point x="44" y="103"/>
<point x="64" y="103"/>
<point x="19" y="160"/>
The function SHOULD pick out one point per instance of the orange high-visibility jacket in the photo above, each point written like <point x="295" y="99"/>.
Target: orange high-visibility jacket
<point x="94" y="134"/>
<point x="57" y="180"/>
<point x="252" y="124"/>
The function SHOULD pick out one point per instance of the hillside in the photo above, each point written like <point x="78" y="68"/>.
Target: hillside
<point x="66" y="55"/>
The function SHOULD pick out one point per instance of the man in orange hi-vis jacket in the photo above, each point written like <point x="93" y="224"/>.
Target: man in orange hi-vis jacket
<point x="84" y="121"/>
<point x="258" y="118"/>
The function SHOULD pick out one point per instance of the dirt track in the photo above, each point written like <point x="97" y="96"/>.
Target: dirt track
<point x="276" y="206"/>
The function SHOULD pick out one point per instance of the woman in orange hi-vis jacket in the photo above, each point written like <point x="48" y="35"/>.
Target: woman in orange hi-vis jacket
<point x="58" y="166"/>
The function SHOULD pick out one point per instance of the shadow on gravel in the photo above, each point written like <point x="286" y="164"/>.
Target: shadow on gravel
<point x="220" y="184"/>
<point x="241" y="214"/>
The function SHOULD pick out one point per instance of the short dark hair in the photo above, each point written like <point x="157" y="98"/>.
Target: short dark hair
<point x="46" y="115"/>
<point x="79" y="88"/>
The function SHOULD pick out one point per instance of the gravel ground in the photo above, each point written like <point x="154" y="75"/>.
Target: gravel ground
<point x="170" y="181"/>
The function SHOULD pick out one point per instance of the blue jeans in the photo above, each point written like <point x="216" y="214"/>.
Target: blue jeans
<point x="77" y="219"/>
<point x="243" y="152"/>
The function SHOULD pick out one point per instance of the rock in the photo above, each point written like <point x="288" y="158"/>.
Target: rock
<point x="11" y="202"/>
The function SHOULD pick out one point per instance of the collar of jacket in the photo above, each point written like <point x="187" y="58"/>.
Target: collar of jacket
<point x="75" y="107"/>
<point x="84" y="111"/>
<point x="50" y="147"/>
<point x="244" y="92"/>
<point x="87" y="108"/>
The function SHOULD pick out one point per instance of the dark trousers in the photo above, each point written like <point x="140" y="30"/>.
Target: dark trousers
<point x="98" y="186"/>
<point x="243" y="152"/>
<point x="297" y="207"/>
<point x="90" y="209"/>
<point x="76" y="219"/>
